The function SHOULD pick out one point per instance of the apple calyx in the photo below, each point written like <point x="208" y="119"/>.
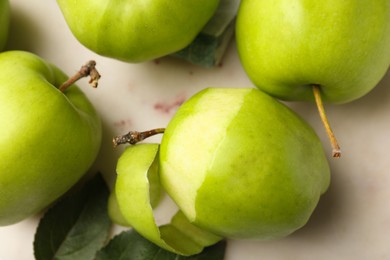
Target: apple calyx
<point x="89" y="69"/>
<point x="336" y="151"/>
<point x="134" y="137"/>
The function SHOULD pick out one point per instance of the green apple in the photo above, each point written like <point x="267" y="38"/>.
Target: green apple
<point x="48" y="138"/>
<point x="240" y="164"/>
<point x="4" y="22"/>
<point x="136" y="31"/>
<point x="132" y="202"/>
<point x="286" y="46"/>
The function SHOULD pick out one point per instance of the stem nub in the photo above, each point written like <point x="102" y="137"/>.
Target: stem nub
<point x="336" y="152"/>
<point x="134" y="137"/>
<point x="86" y="70"/>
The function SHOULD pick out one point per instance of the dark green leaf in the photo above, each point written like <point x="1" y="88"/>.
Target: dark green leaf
<point x="129" y="245"/>
<point x="77" y="226"/>
<point x="209" y="46"/>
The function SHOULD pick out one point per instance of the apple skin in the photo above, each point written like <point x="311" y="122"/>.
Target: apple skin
<point x="136" y="31"/>
<point x="240" y="164"/>
<point x="48" y="139"/>
<point x="4" y="22"/>
<point x="343" y="46"/>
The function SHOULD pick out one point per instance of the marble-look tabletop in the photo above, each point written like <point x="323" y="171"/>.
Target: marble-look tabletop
<point x="352" y="220"/>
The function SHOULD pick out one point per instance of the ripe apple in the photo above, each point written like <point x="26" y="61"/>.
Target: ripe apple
<point x="131" y="204"/>
<point x="48" y="138"/>
<point x="136" y="31"/>
<point x="4" y="22"/>
<point x="287" y="46"/>
<point x="238" y="164"/>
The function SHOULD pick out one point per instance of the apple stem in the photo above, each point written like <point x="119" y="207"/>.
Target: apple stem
<point x="336" y="152"/>
<point x="134" y="137"/>
<point x="86" y="70"/>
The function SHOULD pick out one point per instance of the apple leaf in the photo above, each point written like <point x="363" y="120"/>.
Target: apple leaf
<point x="131" y="245"/>
<point x="77" y="226"/>
<point x="209" y="46"/>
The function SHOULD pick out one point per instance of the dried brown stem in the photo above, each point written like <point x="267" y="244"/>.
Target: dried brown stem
<point x="86" y="70"/>
<point x="336" y="152"/>
<point x="134" y="137"/>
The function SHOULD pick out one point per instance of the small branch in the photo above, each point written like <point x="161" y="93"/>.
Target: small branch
<point x="336" y="152"/>
<point x="134" y="137"/>
<point x="87" y="70"/>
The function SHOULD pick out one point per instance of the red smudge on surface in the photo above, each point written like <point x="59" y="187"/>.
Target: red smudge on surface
<point x="131" y="87"/>
<point x="156" y="61"/>
<point x="168" y="107"/>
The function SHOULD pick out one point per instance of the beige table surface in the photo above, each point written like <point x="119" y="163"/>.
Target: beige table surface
<point x="352" y="220"/>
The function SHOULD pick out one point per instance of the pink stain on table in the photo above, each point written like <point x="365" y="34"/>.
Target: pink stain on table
<point x="169" y="107"/>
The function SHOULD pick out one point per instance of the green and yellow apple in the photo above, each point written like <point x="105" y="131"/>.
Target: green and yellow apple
<point x="131" y="203"/>
<point x="136" y="31"/>
<point x="48" y="138"/>
<point x="287" y="46"/>
<point x="238" y="163"/>
<point x="4" y="22"/>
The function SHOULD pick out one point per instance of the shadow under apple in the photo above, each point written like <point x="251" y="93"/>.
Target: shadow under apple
<point x="107" y="158"/>
<point x="22" y="30"/>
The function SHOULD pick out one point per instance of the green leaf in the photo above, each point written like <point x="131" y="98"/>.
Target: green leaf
<point x="130" y="245"/>
<point x="77" y="226"/>
<point x="209" y="46"/>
